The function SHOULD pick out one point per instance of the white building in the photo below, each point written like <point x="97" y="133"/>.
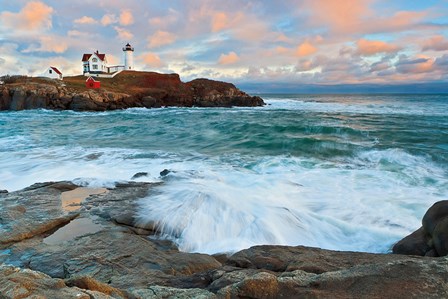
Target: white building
<point x="128" y="57"/>
<point x="53" y="73"/>
<point x="96" y="64"/>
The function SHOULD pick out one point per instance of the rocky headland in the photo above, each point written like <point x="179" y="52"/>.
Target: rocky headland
<point x="53" y="246"/>
<point x="126" y="90"/>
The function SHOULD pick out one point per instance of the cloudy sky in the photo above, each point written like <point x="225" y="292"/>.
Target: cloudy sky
<point x="291" y="41"/>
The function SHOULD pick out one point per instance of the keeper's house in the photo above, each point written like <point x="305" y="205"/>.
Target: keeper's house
<point x="94" y="63"/>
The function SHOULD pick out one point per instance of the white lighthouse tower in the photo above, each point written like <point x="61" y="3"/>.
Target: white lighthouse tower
<point x="128" y="57"/>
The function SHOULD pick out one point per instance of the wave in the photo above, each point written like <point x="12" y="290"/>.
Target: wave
<point x="358" y="105"/>
<point x="290" y="201"/>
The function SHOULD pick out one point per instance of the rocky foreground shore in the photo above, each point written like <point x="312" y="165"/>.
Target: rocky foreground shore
<point x="127" y="90"/>
<point x="51" y="247"/>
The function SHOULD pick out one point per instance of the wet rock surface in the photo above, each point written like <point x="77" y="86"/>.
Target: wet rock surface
<point x="124" y="259"/>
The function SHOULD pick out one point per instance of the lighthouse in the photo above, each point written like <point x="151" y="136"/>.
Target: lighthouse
<point x="128" y="57"/>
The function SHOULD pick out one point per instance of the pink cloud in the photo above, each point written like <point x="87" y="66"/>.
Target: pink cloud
<point x="167" y="20"/>
<point x="373" y="47"/>
<point x="85" y="20"/>
<point x="281" y="37"/>
<point x="419" y="64"/>
<point x="48" y="44"/>
<point x="436" y="43"/>
<point x="126" y="18"/>
<point x="282" y="50"/>
<point x="358" y="17"/>
<point x="305" y="65"/>
<point x="380" y="66"/>
<point x="400" y="20"/>
<point x="161" y="38"/>
<point x="220" y="21"/>
<point x="342" y="16"/>
<point x="33" y="16"/>
<point x="305" y="49"/>
<point x="108" y="19"/>
<point x="152" y="60"/>
<point x="229" y="58"/>
<point x="123" y="34"/>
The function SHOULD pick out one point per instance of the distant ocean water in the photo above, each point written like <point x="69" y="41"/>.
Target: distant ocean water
<point x="344" y="172"/>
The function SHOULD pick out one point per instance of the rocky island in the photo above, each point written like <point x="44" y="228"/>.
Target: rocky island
<point x="53" y="246"/>
<point x="126" y="90"/>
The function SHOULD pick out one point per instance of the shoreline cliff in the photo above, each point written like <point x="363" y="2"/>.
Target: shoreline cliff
<point x="105" y="252"/>
<point x="128" y="89"/>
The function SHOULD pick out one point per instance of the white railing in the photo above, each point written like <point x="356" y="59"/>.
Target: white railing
<point x="102" y="75"/>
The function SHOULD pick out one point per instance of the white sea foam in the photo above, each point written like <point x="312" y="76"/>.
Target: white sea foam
<point x="284" y="201"/>
<point x="229" y="203"/>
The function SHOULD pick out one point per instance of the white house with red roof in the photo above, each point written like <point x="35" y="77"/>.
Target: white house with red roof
<point x="53" y="73"/>
<point x="96" y="64"/>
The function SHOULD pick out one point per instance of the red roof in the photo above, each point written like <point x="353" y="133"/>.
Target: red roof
<point x="101" y="56"/>
<point x="91" y="79"/>
<point x="56" y="70"/>
<point x="86" y="57"/>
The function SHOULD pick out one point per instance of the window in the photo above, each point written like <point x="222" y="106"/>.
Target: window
<point x="50" y="71"/>
<point x="95" y="67"/>
<point x="94" y="60"/>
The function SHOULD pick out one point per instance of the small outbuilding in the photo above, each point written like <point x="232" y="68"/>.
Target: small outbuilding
<point x="53" y="73"/>
<point x="92" y="83"/>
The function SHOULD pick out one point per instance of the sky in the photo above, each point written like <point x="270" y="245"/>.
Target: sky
<point x="295" y="42"/>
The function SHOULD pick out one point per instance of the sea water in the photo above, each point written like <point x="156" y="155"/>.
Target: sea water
<point x="343" y="172"/>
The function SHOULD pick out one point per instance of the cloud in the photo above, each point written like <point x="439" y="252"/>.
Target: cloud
<point x="406" y="65"/>
<point x="229" y="58"/>
<point x="108" y="19"/>
<point x="373" y="47"/>
<point x="33" y="16"/>
<point x="305" y="65"/>
<point x="281" y="37"/>
<point x="435" y="43"/>
<point x="360" y="17"/>
<point x="161" y="38"/>
<point x="250" y="28"/>
<point x="220" y="21"/>
<point x="167" y="20"/>
<point x="342" y="16"/>
<point x="86" y="20"/>
<point x="401" y="20"/>
<point x="126" y="18"/>
<point x="380" y="66"/>
<point x="153" y="60"/>
<point x="123" y="34"/>
<point x="54" y="44"/>
<point x="442" y="62"/>
<point x="282" y="50"/>
<point x="241" y="24"/>
<point x="305" y="49"/>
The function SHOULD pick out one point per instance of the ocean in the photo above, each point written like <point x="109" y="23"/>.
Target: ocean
<point x="341" y="172"/>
